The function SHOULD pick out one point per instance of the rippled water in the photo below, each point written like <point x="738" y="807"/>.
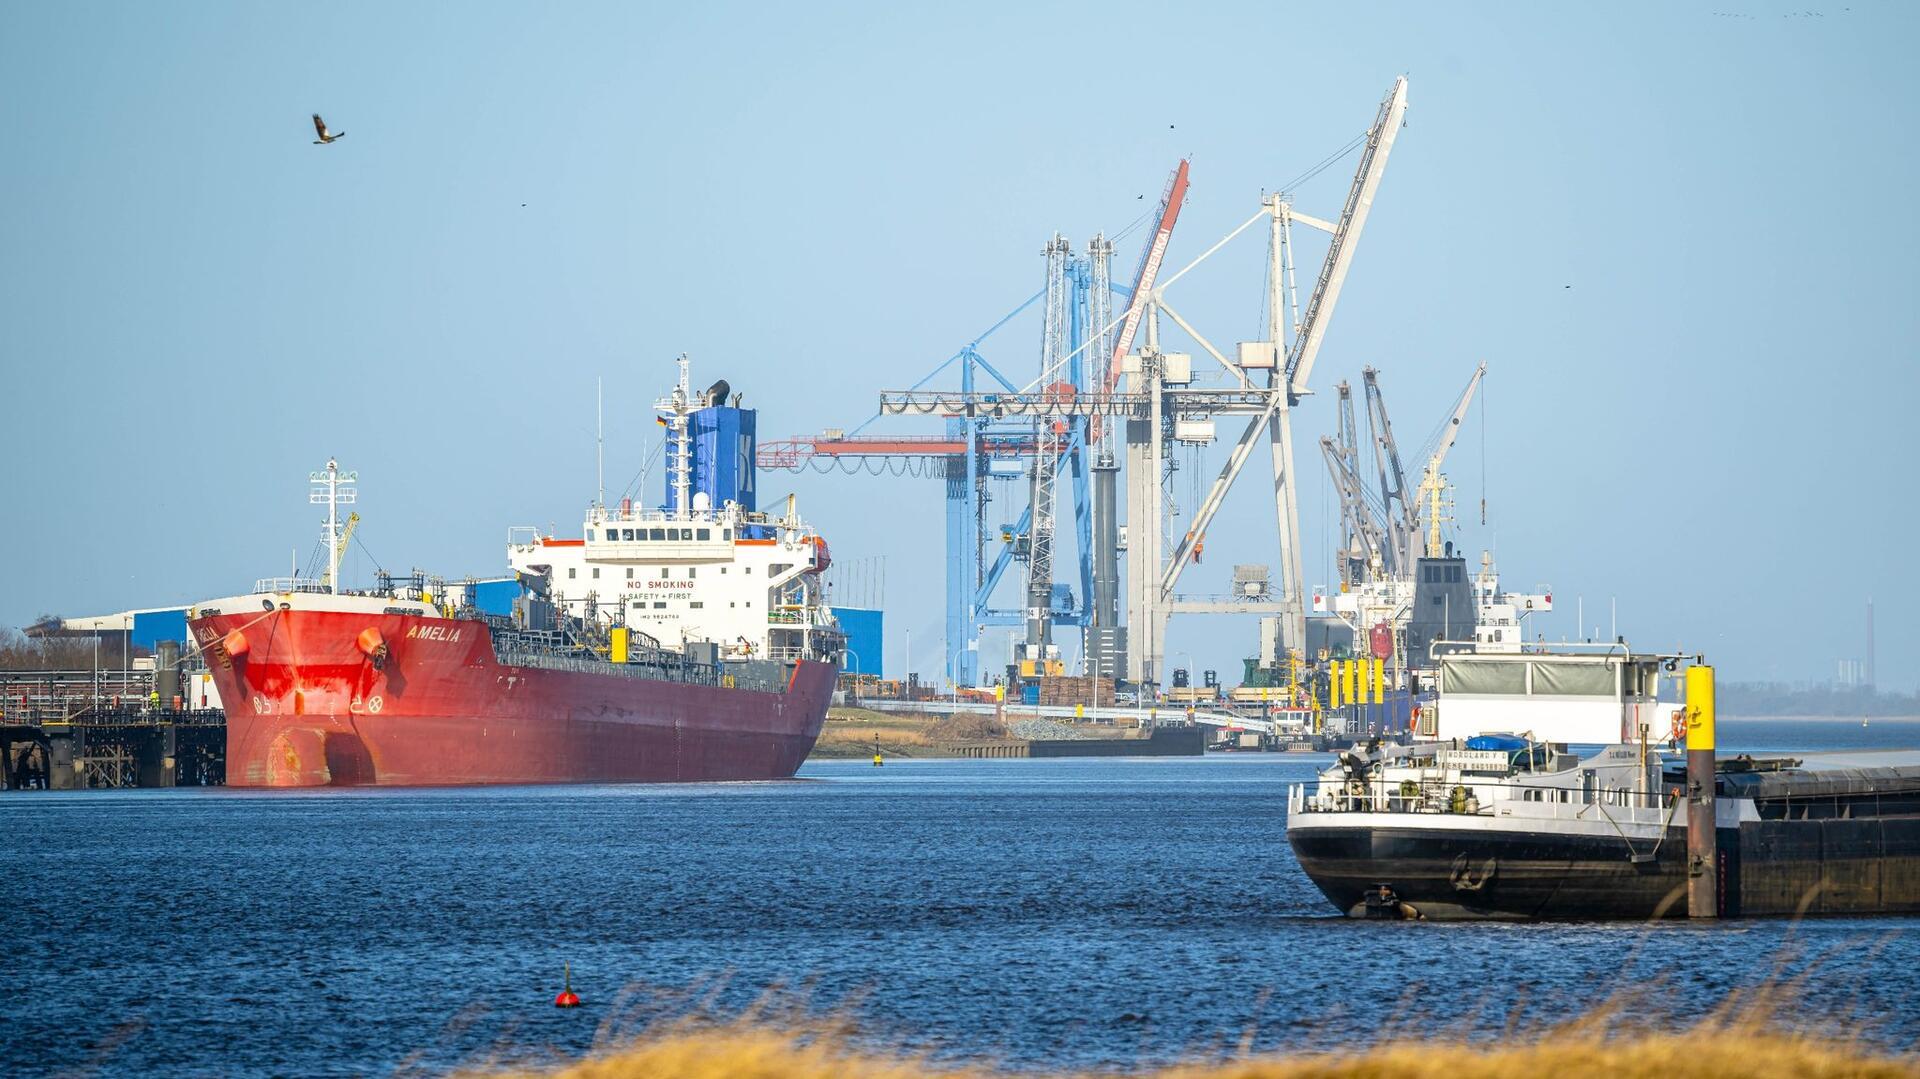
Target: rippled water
<point x="1070" y="912"/>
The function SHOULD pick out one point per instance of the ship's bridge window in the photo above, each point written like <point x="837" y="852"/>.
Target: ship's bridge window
<point x="658" y="534"/>
<point x="589" y="535"/>
<point x="726" y="533"/>
<point x="626" y="533"/>
<point x="703" y="533"/>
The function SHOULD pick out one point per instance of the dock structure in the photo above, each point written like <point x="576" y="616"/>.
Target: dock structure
<point x="80" y="730"/>
<point x="116" y="748"/>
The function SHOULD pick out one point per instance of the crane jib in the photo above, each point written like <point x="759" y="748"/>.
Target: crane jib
<point x="1149" y="271"/>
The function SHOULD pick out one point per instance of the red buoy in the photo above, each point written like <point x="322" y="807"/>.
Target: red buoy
<point x="567" y="998"/>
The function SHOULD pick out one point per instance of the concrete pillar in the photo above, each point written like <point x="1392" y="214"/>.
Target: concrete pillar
<point x="61" y="775"/>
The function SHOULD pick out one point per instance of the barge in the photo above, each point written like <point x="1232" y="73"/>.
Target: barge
<point x="1518" y="825"/>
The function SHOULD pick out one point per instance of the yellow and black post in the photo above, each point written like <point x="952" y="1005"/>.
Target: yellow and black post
<point x="1703" y="861"/>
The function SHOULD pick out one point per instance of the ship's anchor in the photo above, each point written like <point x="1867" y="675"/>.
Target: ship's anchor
<point x="1462" y="874"/>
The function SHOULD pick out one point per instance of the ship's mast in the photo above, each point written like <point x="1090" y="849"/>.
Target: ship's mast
<point x="680" y="442"/>
<point x="335" y="488"/>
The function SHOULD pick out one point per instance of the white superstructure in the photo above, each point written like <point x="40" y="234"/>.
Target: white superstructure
<point x="747" y="581"/>
<point x="1570" y="693"/>
<point x="1499" y="617"/>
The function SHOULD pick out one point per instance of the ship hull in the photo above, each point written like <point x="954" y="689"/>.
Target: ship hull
<point x="307" y="706"/>
<point x="1497" y="874"/>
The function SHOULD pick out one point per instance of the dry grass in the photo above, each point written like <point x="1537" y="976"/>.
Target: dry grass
<point x="1709" y="1051"/>
<point x="1759" y="1033"/>
<point x="850" y="732"/>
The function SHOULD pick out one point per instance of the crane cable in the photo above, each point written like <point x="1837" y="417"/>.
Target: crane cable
<point x="1324" y="165"/>
<point x="1483" y="456"/>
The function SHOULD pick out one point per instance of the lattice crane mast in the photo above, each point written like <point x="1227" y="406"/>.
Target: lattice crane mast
<point x="1049" y="436"/>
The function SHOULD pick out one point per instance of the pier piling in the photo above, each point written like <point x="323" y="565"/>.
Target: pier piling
<point x="1703" y="869"/>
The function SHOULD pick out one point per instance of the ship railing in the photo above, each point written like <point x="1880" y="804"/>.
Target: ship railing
<point x="289" y="584"/>
<point x="663" y="666"/>
<point x="1438" y="795"/>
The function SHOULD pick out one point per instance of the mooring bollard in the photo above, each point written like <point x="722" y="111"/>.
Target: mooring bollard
<point x="1703" y="860"/>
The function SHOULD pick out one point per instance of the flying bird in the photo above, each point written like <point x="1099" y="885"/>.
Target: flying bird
<point x="320" y="128"/>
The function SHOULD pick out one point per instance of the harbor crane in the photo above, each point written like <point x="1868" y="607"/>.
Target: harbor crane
<point x="1289" y="383"/>
<point x="1362" y="553"/>
<point x="1380" y="530"/>
<point x="1431" y="482"/>
<point x="1161" y="406"/>
<point x="1001" y="444"/>
<point x="1397" y="509"/>
<point x="346" y="536"/>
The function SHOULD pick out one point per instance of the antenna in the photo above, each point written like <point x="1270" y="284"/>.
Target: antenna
<point x="600" y="440"/>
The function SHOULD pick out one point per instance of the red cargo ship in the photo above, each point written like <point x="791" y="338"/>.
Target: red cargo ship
<point x="330" y="689"/>
<point x="567" y="680"/>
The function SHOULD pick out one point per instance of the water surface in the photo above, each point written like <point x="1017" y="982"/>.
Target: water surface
<point x="1039" y="913"/>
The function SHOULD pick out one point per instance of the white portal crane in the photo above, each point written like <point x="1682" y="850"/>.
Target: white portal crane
<point x="1289" y="384"/>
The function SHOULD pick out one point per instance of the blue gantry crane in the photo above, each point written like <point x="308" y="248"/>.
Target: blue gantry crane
<point x="1080" y="339"/>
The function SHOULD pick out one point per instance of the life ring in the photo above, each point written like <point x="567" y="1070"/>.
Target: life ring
<point x="1679" y="730"/>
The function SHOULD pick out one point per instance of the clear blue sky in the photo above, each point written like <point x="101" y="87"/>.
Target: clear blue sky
<point x="1714" y="424"/>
